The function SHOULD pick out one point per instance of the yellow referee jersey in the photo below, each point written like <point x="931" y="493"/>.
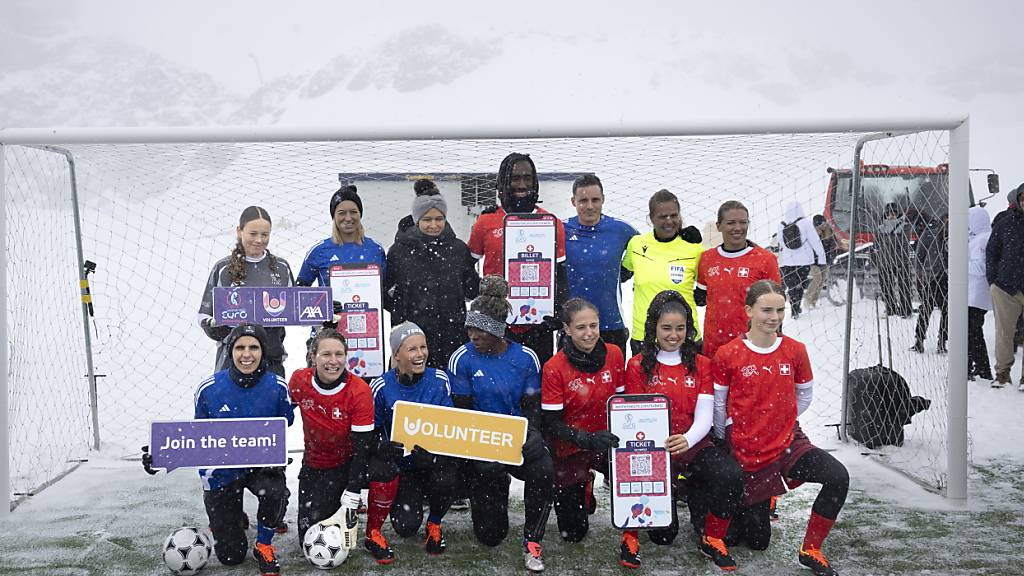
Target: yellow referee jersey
<point x="658" y="266"/>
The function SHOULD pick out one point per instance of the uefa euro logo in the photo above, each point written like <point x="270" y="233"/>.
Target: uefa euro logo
<point x="233" y="298"/>
<point x="274" y="306"/>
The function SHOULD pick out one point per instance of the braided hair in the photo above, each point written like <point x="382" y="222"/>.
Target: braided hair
<point x="492" y="301"/>
<point x="236" y="267"/>
<point x="504" y="183"/>
<point x="667" y="301"/>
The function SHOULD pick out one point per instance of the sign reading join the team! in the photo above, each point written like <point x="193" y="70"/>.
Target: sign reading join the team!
<point x="219" y="443"/>
<point x="358" y="288"/>
<point x="459" y="433"/>
<point x="641" y="471"/>
<point x="272" y="305"/>
<point x="530" y="266"/>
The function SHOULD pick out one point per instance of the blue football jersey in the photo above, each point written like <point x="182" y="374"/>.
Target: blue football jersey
<point x="219" y="397"/>
<point x="496" y="383"/>
<point x="593" y="255"/>
<point x="318" y="261"/>
<point x="433" y="388"/>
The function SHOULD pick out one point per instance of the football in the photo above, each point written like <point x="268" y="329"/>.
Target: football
<point x="187" y="550"/>
<point x="324" y="546"/>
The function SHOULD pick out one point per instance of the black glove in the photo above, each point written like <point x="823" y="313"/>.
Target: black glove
<point x="147" y="461"/>
<point x="691" y="234"/>
<point x="534" y="447"/>
<point x="597" y="441"/>
<point x="422" y="458"/>
<point x="490" y="209"/>
<point x="551" y="323"/>
<point x="390" y="451"/>
<point x="214" y="332"/>
<point x="700" y="296"/>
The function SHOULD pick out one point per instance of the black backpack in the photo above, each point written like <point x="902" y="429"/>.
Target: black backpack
<point x="880" y="405"/>
<point x="791" y="235"/>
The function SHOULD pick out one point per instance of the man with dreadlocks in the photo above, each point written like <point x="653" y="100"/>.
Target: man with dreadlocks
<point x="518" y="193"/>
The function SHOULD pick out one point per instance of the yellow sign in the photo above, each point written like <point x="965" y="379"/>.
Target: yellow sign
<point x="460" y="433"/>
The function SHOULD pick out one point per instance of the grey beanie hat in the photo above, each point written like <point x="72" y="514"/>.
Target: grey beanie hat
<point x="422" y="204"/>
<point x="401" y="332"/>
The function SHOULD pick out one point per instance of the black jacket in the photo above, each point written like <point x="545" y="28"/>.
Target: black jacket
<point x="932" y="254"/>
<point x="430" y="281"/>
<point x="1004" y="255"/>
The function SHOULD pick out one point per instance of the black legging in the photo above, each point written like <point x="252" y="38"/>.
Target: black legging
<point x="752" y="524"/>
<point x="320" y="489"/>
<point x="714" y="482"/>
<point x="977" y="350"/>
<point x="437" y="484"/>
<point x="795" y="280"/>
<point x="227" y="520"/>
<point x="489" y="482"/>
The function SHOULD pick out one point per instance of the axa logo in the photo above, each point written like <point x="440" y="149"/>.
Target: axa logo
<point x="311" y="312"/>
<point x="274" y="306"/>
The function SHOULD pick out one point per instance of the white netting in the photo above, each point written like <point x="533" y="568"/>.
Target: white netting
<point x="155" y="218"/>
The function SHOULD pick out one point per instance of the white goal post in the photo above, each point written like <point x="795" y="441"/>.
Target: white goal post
<point x="954" y="144"/>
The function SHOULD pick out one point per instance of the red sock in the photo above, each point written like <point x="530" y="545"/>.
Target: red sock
<point x="382" y="496"/>
<point x="715" y="527"/>
<point x="817" y="529"/>
<point x="633" y="533"/>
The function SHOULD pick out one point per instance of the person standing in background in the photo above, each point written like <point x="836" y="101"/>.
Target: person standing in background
<point x="1004" y="270"/>
<point x="800" y="248"/>
<point x="820" y="269"/>
<point x="979" y="298"/>
<point x="594" y="247"/>
<point x="892" y="260"/>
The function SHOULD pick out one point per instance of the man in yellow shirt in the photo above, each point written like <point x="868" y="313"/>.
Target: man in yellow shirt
<point x="663" y="259"/>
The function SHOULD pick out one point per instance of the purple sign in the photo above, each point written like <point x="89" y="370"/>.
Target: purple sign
<point x="219" y="443"/>
<point x="272" y="305"/>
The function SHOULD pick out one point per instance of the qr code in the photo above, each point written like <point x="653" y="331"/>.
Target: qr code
<point x="529" y="273"/>
<point x="355" y="324"/>
<point x="640" y="465"/>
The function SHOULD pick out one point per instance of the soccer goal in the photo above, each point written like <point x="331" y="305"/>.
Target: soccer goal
<point x="109" y="236"/>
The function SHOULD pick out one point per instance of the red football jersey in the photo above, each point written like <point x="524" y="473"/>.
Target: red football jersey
<point x="676" y="382"/>
<point x="762" y="396"/>
<point x="726" y="277"/>
<point x="329" y="415"/>
<point x="581" y="396"/>
<point x="487" y="240"/>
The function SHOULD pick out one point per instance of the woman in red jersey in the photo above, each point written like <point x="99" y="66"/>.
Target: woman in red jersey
<point x="724" y="274"/>
<point x="763" y="383"/>
<point x="669" y="364"/>
<point x="575" y="386"/>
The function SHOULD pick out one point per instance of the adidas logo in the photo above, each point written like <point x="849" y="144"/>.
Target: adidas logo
<point x="334" y="258"/>
<point x="573" y="237"/>
<point x="224" y="408"/>
<point x="479" y="373"/>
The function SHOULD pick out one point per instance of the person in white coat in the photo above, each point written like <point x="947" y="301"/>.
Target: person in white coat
<point x="979" y="298"/>
<point x="800" y="248"/>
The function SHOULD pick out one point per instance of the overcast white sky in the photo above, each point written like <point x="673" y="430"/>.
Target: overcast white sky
<point x="526" y="62"/>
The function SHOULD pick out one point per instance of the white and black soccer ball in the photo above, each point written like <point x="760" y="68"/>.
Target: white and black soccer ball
<point x="187" y="550"/>
<point x="324" y="546"/>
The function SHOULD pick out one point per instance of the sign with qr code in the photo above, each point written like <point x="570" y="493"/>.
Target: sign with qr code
<point x="530" y="266"/>
<point x="640" y="468"/>
<point x="357" y="287"/>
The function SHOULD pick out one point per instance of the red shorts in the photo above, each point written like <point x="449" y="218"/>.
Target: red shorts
<point x="769" y="481"/>
<point x="572" y="469"/>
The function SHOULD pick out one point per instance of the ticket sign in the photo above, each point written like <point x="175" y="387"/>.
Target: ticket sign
<point x="219" y="443"/>
<point x="530" y="266"/>
<point x="459" y="433"/>
<point x="358" y="288"/>
<point x="641" y="469"/>
<point x="271" y="305"/>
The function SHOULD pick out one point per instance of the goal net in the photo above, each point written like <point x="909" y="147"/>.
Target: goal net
<point x="156" y="216"/>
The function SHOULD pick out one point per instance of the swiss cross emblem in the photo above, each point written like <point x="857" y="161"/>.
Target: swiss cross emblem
<point x="606" y="377"/>
<point x="640" y="435"/>
<point x="784" y="369"/>
<point x="713" y="271"/>
<point x="743" y="272"/>
<point x="336" y="413"/>
<point x="690" y="382"/>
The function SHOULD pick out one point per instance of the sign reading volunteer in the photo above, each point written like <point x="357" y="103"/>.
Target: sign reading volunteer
<point x="459" y="433"/>
<point x="358" y="288"/>
<point x="530" y="266"/>
<point x="271" y="305"/>
<point x="641" y="471"/>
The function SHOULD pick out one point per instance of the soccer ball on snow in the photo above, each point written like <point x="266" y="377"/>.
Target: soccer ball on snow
<point x="187" y="550"/>
<point x="324" y="546"/>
